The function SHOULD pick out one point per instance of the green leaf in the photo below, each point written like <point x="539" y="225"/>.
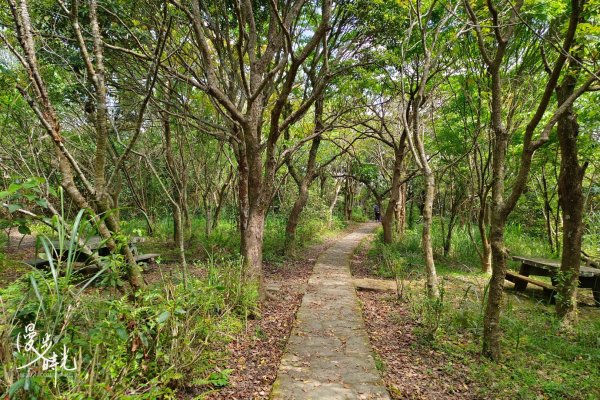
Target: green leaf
<point x="122" y="333"/>
<point x="180" y="311"/>
<point x="24" y="230"/>
<point x="42" y="203"/>
<point x="13" y="207"/>
<point x="33" y="182"/>
<point x="163" y="317"/>
<point x="13" y="187"/>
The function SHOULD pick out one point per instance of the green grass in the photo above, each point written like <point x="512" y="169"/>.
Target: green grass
<point x="159" y="342"/>
<point x="539" y="360"/>
<point x="463" y="252"/>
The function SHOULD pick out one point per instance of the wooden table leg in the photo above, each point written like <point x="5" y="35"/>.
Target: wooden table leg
<point x="596" y="291"/>
<point x="519" y="284"/>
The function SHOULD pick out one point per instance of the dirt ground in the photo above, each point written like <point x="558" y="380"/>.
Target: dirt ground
<point x="410" y="370"/>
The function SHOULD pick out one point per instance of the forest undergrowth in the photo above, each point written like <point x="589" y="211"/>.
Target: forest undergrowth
<point x="167" y="341"/>
<point x="540" y="360"/>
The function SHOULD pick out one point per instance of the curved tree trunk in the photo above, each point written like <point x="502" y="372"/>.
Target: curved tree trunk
<point x="304" y="183"/>
<point x="336" y="193"/>
<point x="294" y="216"/>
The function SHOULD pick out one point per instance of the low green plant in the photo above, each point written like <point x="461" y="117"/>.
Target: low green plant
<point x="152" y="344"/>
<point x="216" y="379"/>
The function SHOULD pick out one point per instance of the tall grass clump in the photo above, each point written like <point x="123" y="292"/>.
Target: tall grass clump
<point x="156" y="343"/>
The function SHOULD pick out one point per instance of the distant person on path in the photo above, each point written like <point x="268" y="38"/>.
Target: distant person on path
<point x="377" y="213"/>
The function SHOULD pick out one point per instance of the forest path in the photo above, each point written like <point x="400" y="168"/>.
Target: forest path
<point x="328" y="355"/>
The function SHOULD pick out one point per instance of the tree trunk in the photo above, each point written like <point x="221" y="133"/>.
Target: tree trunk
<point x="400" y="210"/>
<point x="338" y="187"/>
<point x="251" y="212"/>
<point x="448" y="238"/>
<point x="491" y="321"/>
<point x="252" y="245"/>
<point x="304" y="183"/>
<point x="221" y="199"/>
<point x="486" y="247"/>
<point x="177" y="225"/>
<point x="411" y="213"/>
<point x="571" y="199"/>
<point x="294" y="216"/>
<point x="348" y="200"/>
<point x="387" y="220"/>
<point x="426" y="240"/>
<point x="207" y="215"/>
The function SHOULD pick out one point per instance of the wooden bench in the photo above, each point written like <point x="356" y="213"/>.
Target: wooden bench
<point x="43" y="263"/>
<point x="589" y="278"/>
<point x="518" y="279"/>
<point x="146" y="257"/>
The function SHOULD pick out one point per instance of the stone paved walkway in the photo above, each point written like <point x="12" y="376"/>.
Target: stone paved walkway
<point x="328" y="355"/>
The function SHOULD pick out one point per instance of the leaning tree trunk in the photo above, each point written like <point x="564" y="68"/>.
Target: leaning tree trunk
<point x="571" y="200"/>
<point x="303" y="183"/>
<point x="294" y="216"/>
<point x="336" y="193"/>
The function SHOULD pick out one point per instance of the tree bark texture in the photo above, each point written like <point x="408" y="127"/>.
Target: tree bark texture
<point x="571" y="199"/>
<point x="387" y="220"/>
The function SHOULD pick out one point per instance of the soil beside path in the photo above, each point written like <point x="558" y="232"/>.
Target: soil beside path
<point x="328" y="355"/>
<point x="411" y="370"/>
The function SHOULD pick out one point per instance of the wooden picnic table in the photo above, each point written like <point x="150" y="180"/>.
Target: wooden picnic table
<point x="97" y="244"/>
<point x="589" y="278"/>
